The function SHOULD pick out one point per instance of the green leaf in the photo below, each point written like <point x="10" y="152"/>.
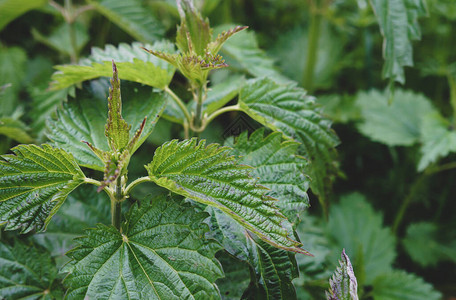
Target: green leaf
<point x="34" y="183"/>
<point x="132" y="17"/>
<point x="242" y="51"/>
<point x="208" y="174"/>
<point x="426" y="246"/>
<point x="272" y="269"/>
<point x="12" y="72"/>
<point x="84" y="120"/>
<point x="354" y="225"/>
<point x="117" y="130"/>
<point x="277" y="167"/>
<point x="438" y="139"/>
<point x="15" y="130"/>
<point x="343" y="285"/>
<point x="194" y="33"/>
<point x="133" y="62"/>
<point x="60" y="39"/>
<point x="28" y="273"/>
<point x="236" y="279"/>
<point x="395" y="124"/>
<point x="398" y="25"/>
<point x="404" y="286"/>
<point x="11" y="9"/>
<point x="287" y="109"/>
<point x="83" y="209"/>
<point x="45" y="103"/>
<point x="160" y="254"/>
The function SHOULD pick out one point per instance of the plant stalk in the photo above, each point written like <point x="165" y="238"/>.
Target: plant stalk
<point x="179" y="103"/>
<point x="116" y="204"/>
<point x="199" y="108"/>
<point x="312" y="46"/>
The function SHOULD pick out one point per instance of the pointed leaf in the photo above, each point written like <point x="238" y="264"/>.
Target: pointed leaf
<point x="438" y="138"/>
<point x="194" y="30"/>
<point x="11" y="9"/>
<point x="398" y="24"/>
<point x="117" y="130"/>
<point x="84" y="120"/>
<point x="28" y="273"/>
<point x="83" y="209"/>
<point x="208" y="174"/>
<point x="133" y="63"/>
<point x="161" y="254"/>
<point x="343" y="284"/>
<point x="132" y="17"/>
<point x="215" y="46"/>
<point x="242" y="51"/>
<point x="34" y="183"/>
<point x="278" y="168"/>
<point x="401" y="285"/>
<point x="15" y="130"/>
<point x="355" y="226"/>
<point x="287" y="109"/>
<point x="272" y="269"/>
<point x="395" y="124"/>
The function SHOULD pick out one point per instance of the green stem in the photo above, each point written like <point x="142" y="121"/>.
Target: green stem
<point x="452" y="84"/>
<point x="179" y="103"/>
<point x="219" y="112"/>
<point x="116" y="204"/>
<point x="406" y="202"/>
<point x="70" y="20"/>
<point x="312" y="53"/>
<point x="199" y="108"/>
<point x="135" y="183"/>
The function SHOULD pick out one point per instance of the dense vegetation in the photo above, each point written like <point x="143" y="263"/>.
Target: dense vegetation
<point x="344" y="111"/>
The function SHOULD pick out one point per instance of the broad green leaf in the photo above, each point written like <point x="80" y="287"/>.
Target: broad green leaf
<point x="27" y="272"/>
<point x="15" y="130"/>
<point x="83" y="209"/>
<point x="277" y="167"/>
<point x="11" y="9"/>
<point x="343" y="284"/>
<point x="133" y="17"/>
<point x="340" y="108"/>
<point x="84" y="120"/>
<point x="399" y="26"/>
<point x="272" y="269"/>
<point x="34" y="183"/>
<point x="242" y="51"/>
<point x="45" y="103"/>
<point x="133" y="62"/>
<point x="117" y="130"/>
<point x="395" y="124"/>
<point x="208" y="174"/>
<point x="12" y="72"/>
<point x="401" y="285"/>
<point x="426" y="246"/>
<point x="438" y="139"/>
<point x="287" y="109"/>
<point x="354" y="225"/>
<point x="160" y="254"/>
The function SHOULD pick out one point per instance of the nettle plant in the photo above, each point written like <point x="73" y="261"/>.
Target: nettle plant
<point x="244" y="197"/>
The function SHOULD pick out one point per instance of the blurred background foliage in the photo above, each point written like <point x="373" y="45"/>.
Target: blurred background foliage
<point x="392" y="205"/>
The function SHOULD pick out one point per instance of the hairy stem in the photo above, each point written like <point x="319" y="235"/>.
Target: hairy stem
<point x="179" y="102"/>
<point x="219" y="112"/>
<point x="70" y="20"/>
<point x="116" y="204"/>
<point x="199" y="107"/>
<point x="312" y="53"/>
<point x="135" y="183"/>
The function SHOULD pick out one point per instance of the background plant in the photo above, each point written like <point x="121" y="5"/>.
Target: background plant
<point x="404" y="172"/>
